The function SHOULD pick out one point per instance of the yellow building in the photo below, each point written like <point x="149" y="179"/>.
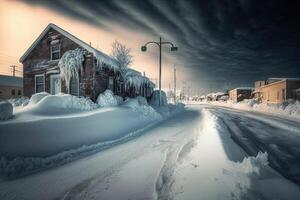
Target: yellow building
<point x="10" y="87"/>
<point x="239" y="94"/>
<point x="277" y="90"/>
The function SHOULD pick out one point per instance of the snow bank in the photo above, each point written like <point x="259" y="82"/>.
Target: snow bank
<point x="290" y="108"/>
<point x="6" y="110"/>
<point x="140" y="106"/>
<point x="108" y="98"/>
<point x="154" y="101"/>
<point x="62" y="104"/>
<point x="21" y="166"/>
<point x="251" y="169"/>
<point x="22" y="101"/>
<point x="70" y="64"/>
<point x="35" y="98"/>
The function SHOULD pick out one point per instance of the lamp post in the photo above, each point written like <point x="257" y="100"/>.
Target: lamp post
<point x="160" y="43"/>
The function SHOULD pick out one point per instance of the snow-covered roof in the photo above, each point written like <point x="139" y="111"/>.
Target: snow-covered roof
<point x="102" y="58"/>
<point x="243" y="88"/>
<point x="11" y="81"/>
<point x="284" y="79"/>
<point x="135" y="78"/>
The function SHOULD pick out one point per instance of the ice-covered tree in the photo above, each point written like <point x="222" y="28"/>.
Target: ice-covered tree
<point x="70" y="64"/>
<point x="122" y="54"/>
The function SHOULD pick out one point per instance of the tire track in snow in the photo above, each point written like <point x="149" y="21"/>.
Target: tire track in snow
<point x="175" y="154"/>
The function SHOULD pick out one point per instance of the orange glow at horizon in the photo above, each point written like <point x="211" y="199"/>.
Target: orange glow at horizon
<point x="21" y="24"/>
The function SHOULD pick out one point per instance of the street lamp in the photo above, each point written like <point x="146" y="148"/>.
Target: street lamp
<point x="160" y="43"/>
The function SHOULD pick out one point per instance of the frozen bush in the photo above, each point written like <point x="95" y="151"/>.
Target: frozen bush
<point x="22" y="101"/>
<point x="6" y="110"/>
<point x="119" y="99"/>
<point x="108" y="98"/>
<point x="154" y="101"/>
<point x="35" y="98"/>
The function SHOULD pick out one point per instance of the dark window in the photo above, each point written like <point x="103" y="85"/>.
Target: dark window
<point x="74" y="86"/>
<point x="111" y="83"/>
<point x="19" y="92"/>
<point x="13" y="92"/>
<point x="39" y="83"/>
<point x="55" y="52"/>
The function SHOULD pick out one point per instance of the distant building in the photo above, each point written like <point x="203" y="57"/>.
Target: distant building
<point x="10" y="87"/>
<point x="277" y="90"/>
<point x="239" y="94"/>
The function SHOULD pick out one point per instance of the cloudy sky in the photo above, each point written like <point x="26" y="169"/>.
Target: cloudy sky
<point x="222" y="43"/>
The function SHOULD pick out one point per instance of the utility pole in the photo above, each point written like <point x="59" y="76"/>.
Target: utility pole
<point x="159" y="80"/>
<point x="14" y="69"/>
<point x="174" y="84"/>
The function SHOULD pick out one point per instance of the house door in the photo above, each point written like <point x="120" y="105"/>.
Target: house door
<point x="55" y="84"/>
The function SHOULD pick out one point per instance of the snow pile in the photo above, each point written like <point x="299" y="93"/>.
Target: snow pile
<point x="289" y="108"/>
<point x="254" y="165"/>
<point x="6" y="110"/>
<point x="35" y="98"/>
<point x="154" y="101"/>
<point x="107" y="98"/>
<point x="251" y="169"/>
<point x="169" y="109"/>
<point x="70" y="64"/>
<point x="140" y="106"/>
<point x="22" y="101"/>
<point x="62" y="103"/>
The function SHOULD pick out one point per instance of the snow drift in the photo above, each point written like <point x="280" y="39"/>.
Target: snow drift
<point x="35" y="98"/>
<point x="140" y="106"/>
<point x="290" y="108"/>
<point x="62" y="104"/>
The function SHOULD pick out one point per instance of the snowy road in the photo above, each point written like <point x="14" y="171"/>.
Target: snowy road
<point x="190" y="156"/>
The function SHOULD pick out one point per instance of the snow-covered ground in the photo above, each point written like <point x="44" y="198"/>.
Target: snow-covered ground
<point x="288" y="109"/>
<point x="189" y="156"/>
<point x="56" y="129"/>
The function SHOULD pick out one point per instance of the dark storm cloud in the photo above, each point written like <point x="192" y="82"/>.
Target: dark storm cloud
<point x="235" y="40"/>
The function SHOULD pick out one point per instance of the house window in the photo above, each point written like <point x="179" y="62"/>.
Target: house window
<point x="39" y="83"/>
<point x="13" y="92"/>
<point x="111" y="83"/>
<point x="19" y="92"/>
<point x="55" y="52"/>
<point x="74" y="86"/>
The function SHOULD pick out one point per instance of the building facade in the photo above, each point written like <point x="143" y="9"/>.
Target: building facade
<point x="10" y="87"/>
<point x="99" y="71"/>
<point x="278" y="90"/>
<point x="239" y="94"/>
